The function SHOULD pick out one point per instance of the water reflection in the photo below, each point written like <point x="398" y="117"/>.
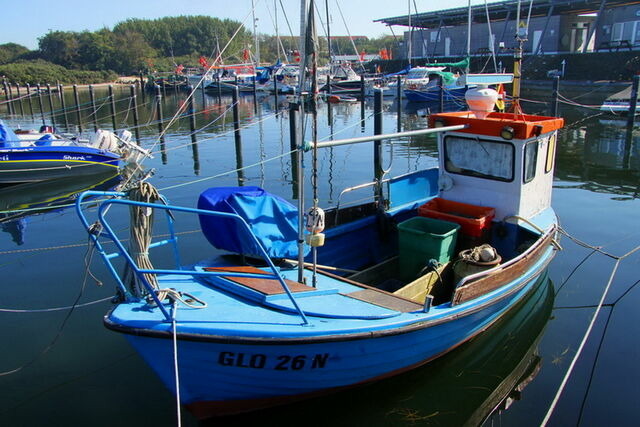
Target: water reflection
<point x="604" y="154"/>
<point x="19" y="201"/>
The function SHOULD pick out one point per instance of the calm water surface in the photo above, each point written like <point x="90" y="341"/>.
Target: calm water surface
<point x="69" y="370"/>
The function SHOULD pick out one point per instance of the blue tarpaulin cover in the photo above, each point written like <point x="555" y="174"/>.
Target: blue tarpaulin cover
<point x="8" y="138"/>
<point x="273" y="220"/>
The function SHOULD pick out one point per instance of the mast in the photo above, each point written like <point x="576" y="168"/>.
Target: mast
<point x="410" y="34"/>
<point x="256" y="42"/>
<point x="326" y="6"/>
<point x="299" y="153"/>
<point x="468" y="35"/>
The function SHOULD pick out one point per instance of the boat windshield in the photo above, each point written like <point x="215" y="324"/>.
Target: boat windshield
<point x="422" y="72"/>
<point x="479" y="158"/>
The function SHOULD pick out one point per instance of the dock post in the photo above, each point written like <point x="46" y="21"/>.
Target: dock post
<point x="11" y="100"/>
<point x="255" y="93"/>
<point x="112" y="105"/>
<point x="40" y="104"/>
<point x="362" y="124"/>
<point x="194" y="140"/>
<point x="6" y="95"/>
<point x="141" y="84"/>
<point x="399" y="99"/>
<point x="556" y="94"/>
<point x="160" y="119"/>
<point x="134" y="107"/>
<point x="377" y="145"/>
<point x="237" y="137"/>
<point x="441" y="97"/>
<point x="63" y="105"/>
<point x="19" y="99"/>
<point x="94" y="111"/>
<point x="275" y="93"/>
<point x="50" y="96"/>
<point x="633" y="102"/>
<point x="328" y="85"/>
<point x="76" y="98"/>
<point x="29" y="99"/>
<point x="293" y="133"/>
<point x="219" y="89"/>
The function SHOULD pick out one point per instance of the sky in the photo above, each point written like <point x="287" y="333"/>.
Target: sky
<point x="25" y="21"/>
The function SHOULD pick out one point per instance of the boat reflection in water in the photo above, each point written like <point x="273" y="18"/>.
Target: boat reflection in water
<point x="19" y="201"/>
<point x="466" y="387"/>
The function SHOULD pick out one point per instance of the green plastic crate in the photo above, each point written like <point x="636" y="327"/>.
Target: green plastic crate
<point x="421" y="239"/>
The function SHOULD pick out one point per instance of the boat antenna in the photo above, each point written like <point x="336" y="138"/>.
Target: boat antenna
<point x="326" y="8"/>
<point x="521" y="37"/>
<point x="410" y="35"/>
<point x="256" y="42"/>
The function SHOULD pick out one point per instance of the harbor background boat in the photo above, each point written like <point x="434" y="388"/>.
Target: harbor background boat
<point x="91" y="376"/>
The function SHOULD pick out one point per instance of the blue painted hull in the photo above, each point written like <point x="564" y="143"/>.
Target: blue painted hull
<point x="33" y="164"/>
<point x="450" y="94"/>
<point x="233" y="366"/>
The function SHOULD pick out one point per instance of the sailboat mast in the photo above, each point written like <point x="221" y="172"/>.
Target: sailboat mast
<point x="256" y="42"/>
<point x="299" y="153"/>
<point x="468" y="35"/>
<point x="326" y="7"/>
<point x="410" y="34"/>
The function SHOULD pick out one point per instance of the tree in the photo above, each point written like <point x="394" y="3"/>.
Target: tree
<point x="9" y="52"/>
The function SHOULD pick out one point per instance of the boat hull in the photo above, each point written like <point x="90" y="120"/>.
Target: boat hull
<point x="34" y="164"/>
<point x="222" y="375"/>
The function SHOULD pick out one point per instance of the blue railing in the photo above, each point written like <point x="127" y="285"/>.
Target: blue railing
<point x="140" y="273"/>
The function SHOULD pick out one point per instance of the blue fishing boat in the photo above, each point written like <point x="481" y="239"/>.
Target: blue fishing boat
<point x="282" y="313"/>
<point x="31" y="156"/>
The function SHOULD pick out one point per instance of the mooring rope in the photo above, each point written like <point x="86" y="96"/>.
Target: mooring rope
<point x="591" y="323"/>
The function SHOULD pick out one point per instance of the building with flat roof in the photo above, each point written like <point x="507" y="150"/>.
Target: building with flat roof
<point x="554" y="27"/>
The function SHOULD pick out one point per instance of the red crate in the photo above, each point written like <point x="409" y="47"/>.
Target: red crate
<point x="475" y="221"/>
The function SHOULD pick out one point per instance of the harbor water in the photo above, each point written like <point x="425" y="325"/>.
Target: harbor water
<point x="60" y="366"/>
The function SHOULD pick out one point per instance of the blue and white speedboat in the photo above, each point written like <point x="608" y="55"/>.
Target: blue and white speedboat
<point x="31" y="156"/>
<point x="438" y="257"/>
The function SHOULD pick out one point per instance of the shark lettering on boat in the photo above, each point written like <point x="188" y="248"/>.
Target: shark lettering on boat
<point x="279" y="363"/>
<point x="68" y="157"/>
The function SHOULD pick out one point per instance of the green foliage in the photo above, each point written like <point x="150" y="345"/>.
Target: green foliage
<point x="9" y="52"/>
<point x="34" y="72"/>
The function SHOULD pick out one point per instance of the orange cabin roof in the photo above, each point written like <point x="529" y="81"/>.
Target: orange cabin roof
<point x="525" y="126"/>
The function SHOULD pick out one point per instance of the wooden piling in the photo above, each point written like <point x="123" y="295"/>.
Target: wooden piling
<point x="441" y="97"/>
<point x="94" y="111"/>
<point x="112" y="107"/>
<point x="11" y="100"/>
<point x="29" y="99"/>
<point x="51" y="110"/>
<point x="76" y="98"/>
<point x="194" y="140"/>
<point x="329" y="85"/>
<point x="19" y="99"/>
<point x="160" y="119"/>
<point x="237" y="137"/>
<point x="63" y="105"/>
<point x="40" y="104"/>
<point x="134" y="107"/>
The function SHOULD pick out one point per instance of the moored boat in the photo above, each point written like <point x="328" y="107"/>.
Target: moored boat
<point x="29" y="156"/>
<point x="437" y="258"/>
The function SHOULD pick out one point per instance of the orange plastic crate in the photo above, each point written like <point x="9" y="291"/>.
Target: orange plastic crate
<point x="474" y="220"/>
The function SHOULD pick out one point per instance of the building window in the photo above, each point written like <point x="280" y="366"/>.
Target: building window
<point x="616" y="33"/>
<point x="479" y="158"/>
<point x="434" y="36"/>
<point x="530" y="161"/>
<point x="636" y="33"/>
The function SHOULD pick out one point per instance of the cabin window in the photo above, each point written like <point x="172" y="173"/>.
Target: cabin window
<point x="551" y="153"/>
<point x="479" y="158"/>
<point x="530" y="161"/>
